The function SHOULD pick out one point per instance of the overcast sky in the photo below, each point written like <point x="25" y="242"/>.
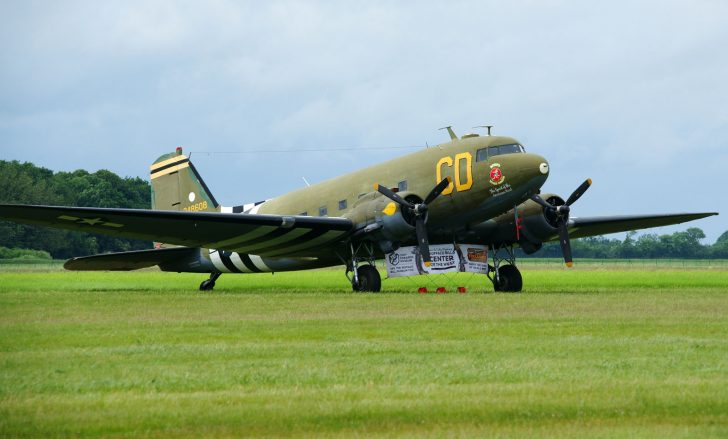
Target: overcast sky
<point x="633" y="94"/>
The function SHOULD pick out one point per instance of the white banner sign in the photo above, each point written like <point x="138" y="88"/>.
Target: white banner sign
<point x="446" y="258"/>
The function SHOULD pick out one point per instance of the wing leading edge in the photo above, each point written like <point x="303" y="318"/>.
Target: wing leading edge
<point x="264" y="235"/>
<point x="603" y="225"/>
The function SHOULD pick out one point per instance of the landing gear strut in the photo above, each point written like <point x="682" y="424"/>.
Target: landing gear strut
<point x="506" y="277"/>
<point x="365" y="277"/>
<point x="209" y="284"/>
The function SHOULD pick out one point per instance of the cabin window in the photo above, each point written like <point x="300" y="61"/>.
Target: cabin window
<point x="402" y="186"/>
<point x="323" y="211"/>
<point x="342" y="204"/>
<point x="481" y="155"/>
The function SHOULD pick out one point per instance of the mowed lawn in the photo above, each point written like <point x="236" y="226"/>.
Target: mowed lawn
<point x="585" y="352"/>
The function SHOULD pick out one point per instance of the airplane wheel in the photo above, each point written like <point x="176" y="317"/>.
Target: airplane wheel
<point x="207" y="285"/>
<point x="369" y="279"/>
<point x="510" y="280"/>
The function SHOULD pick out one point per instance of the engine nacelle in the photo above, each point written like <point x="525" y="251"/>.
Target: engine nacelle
<point x="536" y="226"/>
<point x="540" y="224"/>
<point x="388" y="223"/>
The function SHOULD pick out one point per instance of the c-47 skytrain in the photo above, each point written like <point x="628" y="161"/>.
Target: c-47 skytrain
<point x="482" y="190"/>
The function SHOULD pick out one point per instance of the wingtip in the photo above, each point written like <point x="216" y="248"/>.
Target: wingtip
<point x="589" y="180"/>
<point x="706" y="214"/>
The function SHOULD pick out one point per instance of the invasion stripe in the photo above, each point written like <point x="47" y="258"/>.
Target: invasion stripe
<point x="217" y="262"/>
<point x="239" y="262"/>
<point x="294" y="234"/>
<point x="249" y="263"/>
<point x="225" y="258"/>
<point x="246" y="246"/>
<point x="245" y="237"/>
<point x="308" y="236"/>
<point x="322" y="240"/>
<point x="258" y="262"/>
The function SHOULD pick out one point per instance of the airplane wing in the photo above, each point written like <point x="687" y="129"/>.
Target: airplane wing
<point x="602" y="225"/>
<point x="264" y="235"/>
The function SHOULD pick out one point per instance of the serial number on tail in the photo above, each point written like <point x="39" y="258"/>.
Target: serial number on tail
<point x="202" y="205"/>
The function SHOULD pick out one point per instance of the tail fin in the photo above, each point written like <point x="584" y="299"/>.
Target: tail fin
<point x="176" y="185"/>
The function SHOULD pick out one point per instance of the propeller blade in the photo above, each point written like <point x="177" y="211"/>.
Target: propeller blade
<point x="536" y="198"/>
<point x="562" y="213"/>
<point x="437" y="190"/>
<point x="422" y="241"/>
<point x="565" y="244"/>
<point x="579" y="192"/>
<point x="419" y="210"/>
<point x="387" y="192"/>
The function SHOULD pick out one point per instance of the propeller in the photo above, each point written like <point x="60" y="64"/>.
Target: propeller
<point x="419" y="210"/>
<point x="562" y="217"/>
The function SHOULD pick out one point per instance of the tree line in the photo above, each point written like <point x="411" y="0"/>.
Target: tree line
<point x="679" y="245"/>
<point x="25" y="183"/>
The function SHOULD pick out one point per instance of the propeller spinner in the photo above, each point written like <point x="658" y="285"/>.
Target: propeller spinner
<point x="419" y="210"/>
<point x="562" y="218"/>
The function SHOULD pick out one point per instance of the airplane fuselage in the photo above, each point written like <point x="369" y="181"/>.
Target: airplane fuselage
<point x="481" y="189"/>
<point x="485" y="182"/>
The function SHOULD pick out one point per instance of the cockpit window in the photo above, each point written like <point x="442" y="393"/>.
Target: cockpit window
<point x="513" y="148"/>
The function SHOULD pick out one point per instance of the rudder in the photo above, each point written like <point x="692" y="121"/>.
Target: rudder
<point x="176" y="185"/>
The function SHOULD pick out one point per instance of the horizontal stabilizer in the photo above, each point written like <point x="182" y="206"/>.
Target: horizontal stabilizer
<point x="132" y="260"/>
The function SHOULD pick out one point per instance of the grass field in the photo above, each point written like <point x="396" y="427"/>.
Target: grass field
<point x="587" y="352"/>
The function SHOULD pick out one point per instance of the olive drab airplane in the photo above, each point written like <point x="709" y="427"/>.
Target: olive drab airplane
<point x="482" y="190"/>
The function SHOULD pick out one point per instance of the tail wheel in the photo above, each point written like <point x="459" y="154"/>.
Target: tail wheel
<point x="369" y="279"/>
<point x="509" y="279"/>
<point x="207" y="285"/>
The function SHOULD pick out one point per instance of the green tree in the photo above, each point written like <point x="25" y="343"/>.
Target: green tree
<point x="684" y="244"/>
<point x="719" y="250"/>
<point x="722" y="238"/>
<point x="25" y="183"/>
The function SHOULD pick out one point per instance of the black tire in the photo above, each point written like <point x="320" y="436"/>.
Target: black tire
<point x="369" y="279"/>
<point x="509" y="279"/>
<point x="497" y="285"/>
<point x="207" y="285"/>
